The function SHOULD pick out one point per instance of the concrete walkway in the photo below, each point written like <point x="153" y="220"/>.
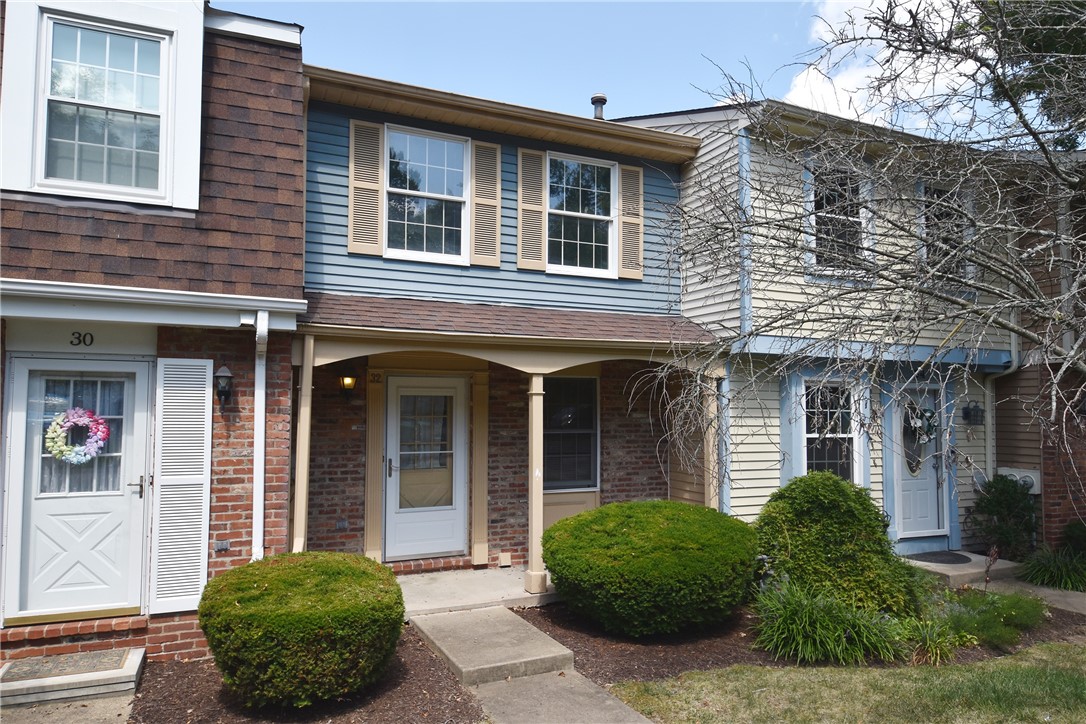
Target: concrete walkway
<point x="425" y="593"/>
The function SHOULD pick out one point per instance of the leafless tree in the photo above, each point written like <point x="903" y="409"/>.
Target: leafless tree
<point x="946" y="217"/>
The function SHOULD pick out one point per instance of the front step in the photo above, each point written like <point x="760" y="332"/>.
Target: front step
<point x="491" y="644"/>
<point x="70" y="676"/>
<point x="970" y="572"/>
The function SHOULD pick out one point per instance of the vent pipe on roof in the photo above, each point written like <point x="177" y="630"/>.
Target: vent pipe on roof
<point x="599" y="100"/>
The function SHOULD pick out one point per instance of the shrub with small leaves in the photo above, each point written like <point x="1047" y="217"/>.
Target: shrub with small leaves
<point x="651" y="567"/>
<point x="1006" y="517"/>
<point x="298" y="628"/>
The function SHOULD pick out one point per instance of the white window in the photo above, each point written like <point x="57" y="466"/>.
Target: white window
<point x="944" y="231"/>
<point x="570" y="433"/>
<point x="103" y="101"/>
<point x="581" y="208"/>
<point x="426" y="196"/>
<point x="838" y="222"/>
<point x="829" y="430"/>
<point x="103" y="106"/>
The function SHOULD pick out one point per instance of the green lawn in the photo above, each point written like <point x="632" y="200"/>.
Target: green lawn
<point x="1046" y="683"/>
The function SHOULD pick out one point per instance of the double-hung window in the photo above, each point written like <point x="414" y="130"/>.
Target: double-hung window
<point x="838" y="221"/>
<point x="829" y="438"/>
<point x="581" y="210"/>
<point x="426" y="196"/>
<point x="570" y="433"/>
<point x="944" y="229"/>
<point x="104" y="107"/>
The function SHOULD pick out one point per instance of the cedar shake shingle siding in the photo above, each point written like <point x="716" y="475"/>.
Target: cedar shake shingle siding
<point x="246" y="237"/>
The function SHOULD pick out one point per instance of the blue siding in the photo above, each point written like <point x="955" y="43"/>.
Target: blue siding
<point x="328" y="267"/>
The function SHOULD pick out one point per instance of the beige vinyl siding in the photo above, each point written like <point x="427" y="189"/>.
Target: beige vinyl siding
<point x="755" y="436"/>
<point x="970" y="456"/>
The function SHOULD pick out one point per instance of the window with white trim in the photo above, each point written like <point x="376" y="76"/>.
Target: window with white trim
<point x="103" y="106"/>
<point x="829" y="434"/>
<point x="838" y="221"/>
<point x="945" y="230"/>
<point x="570" y="433"/>
<point x="581" y="208"/>
<point x="426" y="196"/>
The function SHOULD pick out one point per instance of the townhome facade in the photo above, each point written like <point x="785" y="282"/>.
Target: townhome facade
<point x="793" y="258"/>
<point x="152" y="276"/>
<point x="491" y="295"/>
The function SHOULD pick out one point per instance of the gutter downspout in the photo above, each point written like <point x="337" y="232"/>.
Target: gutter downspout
<point x="260" y="420"/>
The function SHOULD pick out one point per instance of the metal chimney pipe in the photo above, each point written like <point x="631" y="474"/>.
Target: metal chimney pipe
<point x="599" y="100"/>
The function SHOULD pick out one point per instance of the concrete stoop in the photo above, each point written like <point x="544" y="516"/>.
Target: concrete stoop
<point x="70" y="676"/>
<point x="491" y="644"/>
<point x="971" y="572"/>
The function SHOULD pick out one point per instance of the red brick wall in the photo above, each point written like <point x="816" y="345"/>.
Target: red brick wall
<point x="170" y="636"/>
<point x="1063" y="494"/>
<point x="337" y="465"/>
<point x="507" y="508"/>
<point x="630" y="435"/>
<point x="247" y="236"/>
<point x="232" y="438"/>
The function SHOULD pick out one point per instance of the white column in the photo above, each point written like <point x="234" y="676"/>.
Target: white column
<point x="535" y="578"/>
<point x="301" y="461"/>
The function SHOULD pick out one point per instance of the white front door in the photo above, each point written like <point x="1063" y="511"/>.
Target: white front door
<point x="77" y="509"/>
<point x="426" y="468"/>
<point x="920" y="465"/>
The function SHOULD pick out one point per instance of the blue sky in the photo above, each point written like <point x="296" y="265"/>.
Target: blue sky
<point x="647" y="57"/>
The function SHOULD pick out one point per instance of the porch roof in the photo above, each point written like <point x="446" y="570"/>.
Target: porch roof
<point x="426" y="315"/>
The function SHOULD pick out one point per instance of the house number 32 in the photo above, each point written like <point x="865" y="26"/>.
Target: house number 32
<point x="82" y="339"/>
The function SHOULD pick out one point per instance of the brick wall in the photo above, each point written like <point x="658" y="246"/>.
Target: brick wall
<point x="1063" y="482"/>
<point x="247" y="236"/>
<point x="630" y="436"/>
<point x="171" y="636"/>
<point x="337" y="465"/>
<point x="507" y="508"/>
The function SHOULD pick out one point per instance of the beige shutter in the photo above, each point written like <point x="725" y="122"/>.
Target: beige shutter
<point x="486" y="199"/>
<point x="365" y="172"/>
<point x="181" y="490"/>
<point x="531" y="213"/>
<point x="631" y="224"/>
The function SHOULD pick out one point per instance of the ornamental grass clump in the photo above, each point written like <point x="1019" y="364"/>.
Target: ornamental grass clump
<point x="826" y="534"/>
<point x="298" y="628"/>
<point x="651" y="567"/>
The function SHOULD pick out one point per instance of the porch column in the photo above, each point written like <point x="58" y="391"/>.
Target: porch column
<point x="301" y="460"/>
<point x="535" y="578"/>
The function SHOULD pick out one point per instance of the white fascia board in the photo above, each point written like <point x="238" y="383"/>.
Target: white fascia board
<point x="87" y="302"/>
<point x="247" y="26"/>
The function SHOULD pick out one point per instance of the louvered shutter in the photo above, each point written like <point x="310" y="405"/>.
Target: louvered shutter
<point x="365" y="171"/>
<point x="486" y="199"/>
<point x="531" y="213"/>
<point x="182" y="485"/>
<point x="631" y="224"/>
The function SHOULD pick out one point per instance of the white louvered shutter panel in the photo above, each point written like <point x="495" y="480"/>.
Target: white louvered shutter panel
<point x="365" y="171"/>
<point x="531" y="213"/>
<point x="182" y="485"/>
<point x="486" y="199"/>
<point x="631" y="224"/>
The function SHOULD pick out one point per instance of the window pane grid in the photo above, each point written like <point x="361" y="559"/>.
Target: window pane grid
<point x="425" y="432"/>
<point x="579" y="221"/>
<point x="944" y="232"/>
<point x="425" y="203"/>
<point x="828" y="430"/>
<point x="105" y="397"/>
<point x="838" y="223"/>
<point x="570" y="434"/>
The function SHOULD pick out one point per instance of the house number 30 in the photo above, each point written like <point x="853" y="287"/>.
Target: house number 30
<point x="82" y="339"/>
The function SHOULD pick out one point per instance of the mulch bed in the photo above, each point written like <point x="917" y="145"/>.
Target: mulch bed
<point x="420" y="688"/>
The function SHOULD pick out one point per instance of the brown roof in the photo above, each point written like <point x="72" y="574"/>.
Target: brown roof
<point x="424" y="315"/>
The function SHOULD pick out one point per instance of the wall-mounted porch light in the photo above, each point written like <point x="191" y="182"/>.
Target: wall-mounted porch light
<point x="347" y="383"/>
<point x="224" y="386"/>
<point x="973" y="413"/>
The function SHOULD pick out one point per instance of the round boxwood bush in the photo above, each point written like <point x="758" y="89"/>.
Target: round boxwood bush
<point x="826" y="534"/>
<point x="298" y="628"/>
<point x="651" y="567"/>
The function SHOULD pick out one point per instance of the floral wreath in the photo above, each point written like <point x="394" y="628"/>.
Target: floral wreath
<point x="56" y="437"/>
<point x="923" y="421"/>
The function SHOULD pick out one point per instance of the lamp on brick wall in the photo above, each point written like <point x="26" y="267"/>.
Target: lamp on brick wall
<point x="347" y="383"/>
<point x="224" y="386"/>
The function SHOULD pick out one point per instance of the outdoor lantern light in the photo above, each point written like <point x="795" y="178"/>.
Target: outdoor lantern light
<point x="346" y="385"/>
<point x="224" y="385"/>
<point x="973" y="413"/>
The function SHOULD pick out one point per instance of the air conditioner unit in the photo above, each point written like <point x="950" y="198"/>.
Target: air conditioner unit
<point x="1025" y="476"/>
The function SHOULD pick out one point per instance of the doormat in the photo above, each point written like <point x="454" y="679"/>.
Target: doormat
<point x="947" y="557"/>
<point x="45" y="667"/>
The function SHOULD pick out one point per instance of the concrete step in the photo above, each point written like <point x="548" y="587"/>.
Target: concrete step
<point x="564" y="697"/>
<point x="971" y="572"/>
<point x="437" y="592"/>
<point x="491" y="644"/>
<point x="70" y="676"/>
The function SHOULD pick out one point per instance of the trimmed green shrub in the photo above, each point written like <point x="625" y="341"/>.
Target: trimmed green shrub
<point x="298" y="628"/>
<point x="1064" y="568"/>
<point x="1074" y="536"/>
<point x="994" y="619"/>
<point x="1006" y="517"/>
<point x="651" y="567"/>
<point x="827" y="534"/>
<point x="808" y="626"/>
